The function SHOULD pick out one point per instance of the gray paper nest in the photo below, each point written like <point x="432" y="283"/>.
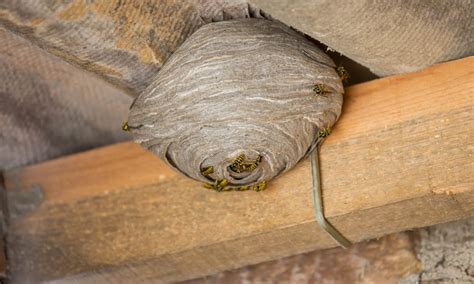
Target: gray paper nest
<point x="238" y="94"/>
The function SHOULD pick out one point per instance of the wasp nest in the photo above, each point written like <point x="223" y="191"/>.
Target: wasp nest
<point x="239" y="103"/>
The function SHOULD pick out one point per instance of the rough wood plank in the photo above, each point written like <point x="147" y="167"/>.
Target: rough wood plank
<point x="401" y="157"/>
<point x="53" y="108"/>
<point x="124" y="41"/>
<point x="385" y="260"/>
<point x="389" y="37"/>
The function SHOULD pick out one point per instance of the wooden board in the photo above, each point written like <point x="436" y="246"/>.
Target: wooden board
<point x="401" y="157"/>
<point x="124" y="41"/>
<point x="389" y="37"/>
<point x="385" y="260"/>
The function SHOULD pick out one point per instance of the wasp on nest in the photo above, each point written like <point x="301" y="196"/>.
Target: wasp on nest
<point x="235" y="105"/>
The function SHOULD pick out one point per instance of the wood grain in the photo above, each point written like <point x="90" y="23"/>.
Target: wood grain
<point x="401" y="157"/>
<point x="386" y="260"/>
<point x="124" y="41"/>
<point x="53" y="108"/>
<point x="389" y="37"/>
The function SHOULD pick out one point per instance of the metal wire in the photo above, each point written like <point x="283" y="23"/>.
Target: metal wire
<point x="318" y="202"/>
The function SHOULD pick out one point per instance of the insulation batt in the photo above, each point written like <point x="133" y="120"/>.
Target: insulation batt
<point x="238" y="87"/>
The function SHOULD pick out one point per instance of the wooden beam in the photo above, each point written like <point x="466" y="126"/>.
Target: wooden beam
<point x="414" y="40"/>
<point x="400" y="157"/>
<point x="385" y="260"/>
<point x="124" y="41"/>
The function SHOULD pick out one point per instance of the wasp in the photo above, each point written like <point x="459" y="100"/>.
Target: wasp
<point x="125" y="126"/>
<point x="237" y="163"/>
<point x="320" y="89"/>
<point x="256" y="163"/>
<point x="260" y="187"/>
<point x="207" y="171"/>
<point x="208" y="186"/>
<point x="251" y="167"/>
<point x="219" y="185"/>
<point x="243" y="188"/>
<point x="343" y="74"/>
<point x="324" y="132"/>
